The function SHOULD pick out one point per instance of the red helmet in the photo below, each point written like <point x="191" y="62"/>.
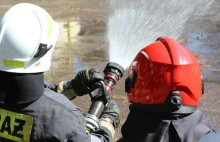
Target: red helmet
<point x="164" y="77"/>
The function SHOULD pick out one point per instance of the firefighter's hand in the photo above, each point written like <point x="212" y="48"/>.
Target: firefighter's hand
<point x="86" y="81"/>
<point x="101" y="94"/>
<point x="110" y="117"/>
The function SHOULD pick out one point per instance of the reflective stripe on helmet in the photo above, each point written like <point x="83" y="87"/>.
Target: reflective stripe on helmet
<point x="49" y="22"/>
<point x="14" y="64"/>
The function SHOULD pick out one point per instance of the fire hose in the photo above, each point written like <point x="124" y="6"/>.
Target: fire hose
<point x="112" y="73"/>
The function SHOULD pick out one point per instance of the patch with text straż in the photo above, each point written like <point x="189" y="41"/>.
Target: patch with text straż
<point x="15" y="126"/>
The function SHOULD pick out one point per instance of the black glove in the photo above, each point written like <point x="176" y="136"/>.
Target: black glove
<point x="86" y="81"/>
<point x="101" y="94"/>
<point x="112" y="112"/>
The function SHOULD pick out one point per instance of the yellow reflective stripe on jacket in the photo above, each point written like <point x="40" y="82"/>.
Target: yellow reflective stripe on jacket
<point x="14" y="64"/>
<point x="15" y="126"/>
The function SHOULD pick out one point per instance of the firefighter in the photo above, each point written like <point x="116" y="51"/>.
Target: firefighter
<point x="29" y="111"/>
<point x="164" y="87"/>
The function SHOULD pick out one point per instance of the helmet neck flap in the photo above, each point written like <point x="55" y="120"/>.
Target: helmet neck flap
<point x="17" y="88"/>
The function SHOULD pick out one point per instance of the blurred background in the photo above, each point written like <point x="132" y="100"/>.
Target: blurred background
<point x="83" y="44"/>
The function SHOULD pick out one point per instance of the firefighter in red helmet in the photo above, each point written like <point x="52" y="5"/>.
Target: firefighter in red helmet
<point x="164" y="87"/>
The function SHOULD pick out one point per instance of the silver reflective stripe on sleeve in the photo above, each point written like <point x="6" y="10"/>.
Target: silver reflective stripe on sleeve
<point x="106" y="122"/>
<point x="95" y="139"/>
<point x="69" y="93"/>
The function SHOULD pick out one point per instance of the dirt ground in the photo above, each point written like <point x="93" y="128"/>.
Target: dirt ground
<point x="90" y="50"/>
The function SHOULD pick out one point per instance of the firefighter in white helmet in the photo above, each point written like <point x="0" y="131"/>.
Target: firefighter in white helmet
<point x="28" y="110"/>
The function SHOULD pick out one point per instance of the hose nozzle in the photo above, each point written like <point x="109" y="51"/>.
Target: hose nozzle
<point x="113" y="72"/>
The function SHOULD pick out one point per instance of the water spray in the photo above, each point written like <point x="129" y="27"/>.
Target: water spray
<point x="113" y="72"/>
<point x="133" y="25"/>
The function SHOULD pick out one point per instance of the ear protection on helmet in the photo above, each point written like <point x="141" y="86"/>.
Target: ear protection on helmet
<point x="130" y="81"/>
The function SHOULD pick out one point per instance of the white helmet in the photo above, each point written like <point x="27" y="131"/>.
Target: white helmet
<point x="27" y="39"/>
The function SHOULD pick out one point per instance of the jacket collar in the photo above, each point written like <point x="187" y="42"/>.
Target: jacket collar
<point x="20" y="88"/>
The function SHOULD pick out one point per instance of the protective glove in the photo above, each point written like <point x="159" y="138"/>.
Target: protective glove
<point x="101" y="94"/>
<point x="86" y="81"/>
<point x="110" y="117"/>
